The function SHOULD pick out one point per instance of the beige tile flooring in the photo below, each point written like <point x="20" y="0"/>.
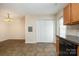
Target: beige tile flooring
<point x="19" y="48"/>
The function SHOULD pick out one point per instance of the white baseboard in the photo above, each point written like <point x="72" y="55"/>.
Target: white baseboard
<point x="3" y="40"/>
<point x="30" y="42"/>
<point x="39" y="42"/>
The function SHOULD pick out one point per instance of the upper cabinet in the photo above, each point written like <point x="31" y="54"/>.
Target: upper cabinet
<point x="71" y="14"/>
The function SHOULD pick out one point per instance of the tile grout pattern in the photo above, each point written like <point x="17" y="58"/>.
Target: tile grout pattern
<point x="19" y="48"/>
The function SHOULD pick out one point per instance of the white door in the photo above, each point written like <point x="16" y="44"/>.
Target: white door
<point x="45" y="31"/>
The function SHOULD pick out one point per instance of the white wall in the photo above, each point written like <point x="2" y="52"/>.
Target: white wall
<point x="30" y="37"/>
<point x="17" y="29"/>
<point x="3" y="30"/>
<point x="14" y="30"/>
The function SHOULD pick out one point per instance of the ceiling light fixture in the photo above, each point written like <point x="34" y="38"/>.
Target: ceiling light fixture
<point x="8" y="19"/>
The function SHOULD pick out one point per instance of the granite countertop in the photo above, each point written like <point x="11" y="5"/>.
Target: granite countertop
<point x="74" y="39"/>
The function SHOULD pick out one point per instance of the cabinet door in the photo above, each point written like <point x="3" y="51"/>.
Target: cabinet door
<point x="57" y="45"/>
<point x="77" y="50"/>
<point x="75" y="12"/>
<point x="67" y="15"/>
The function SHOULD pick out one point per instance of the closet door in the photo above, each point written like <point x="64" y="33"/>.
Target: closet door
<point x="45" y="31"/>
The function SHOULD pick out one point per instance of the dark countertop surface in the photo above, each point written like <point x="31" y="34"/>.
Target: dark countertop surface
<point x="74" y="39"/>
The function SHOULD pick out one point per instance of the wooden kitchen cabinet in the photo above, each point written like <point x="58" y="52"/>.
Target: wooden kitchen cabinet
<point x="57" y="45"/>
<point x="77" y="50"/>
<point x="67" y="14"/>
<point x="71" y="14"/>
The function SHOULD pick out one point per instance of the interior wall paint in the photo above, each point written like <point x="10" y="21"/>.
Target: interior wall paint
<point x="3" y="30"/>
<point x="30" y="37"/>
<point x="16" y="29"/>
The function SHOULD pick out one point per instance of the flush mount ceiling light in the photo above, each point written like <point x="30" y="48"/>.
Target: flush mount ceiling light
<point x="8" y="19"/>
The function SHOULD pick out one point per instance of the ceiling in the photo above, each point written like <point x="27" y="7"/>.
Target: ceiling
<point x="31" y="8"/>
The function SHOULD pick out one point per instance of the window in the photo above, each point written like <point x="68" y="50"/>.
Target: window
<point x="62" y="27"/>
